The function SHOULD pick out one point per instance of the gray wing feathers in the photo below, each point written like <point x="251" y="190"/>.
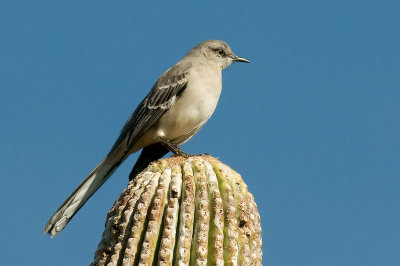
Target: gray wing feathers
<point x="162" y="96"/>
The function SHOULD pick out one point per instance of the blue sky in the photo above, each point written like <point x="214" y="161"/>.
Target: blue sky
<point x="312" y="124"/>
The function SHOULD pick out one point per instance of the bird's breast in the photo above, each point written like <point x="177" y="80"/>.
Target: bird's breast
<point x="194" y="107"/>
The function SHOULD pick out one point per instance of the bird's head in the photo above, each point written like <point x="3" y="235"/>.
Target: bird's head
<point x="218" y="53"/>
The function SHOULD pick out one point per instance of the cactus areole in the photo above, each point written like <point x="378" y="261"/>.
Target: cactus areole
<point x="178" y="211"/>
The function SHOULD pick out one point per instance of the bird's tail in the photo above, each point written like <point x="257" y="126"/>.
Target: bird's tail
<point x="82" y="193"/>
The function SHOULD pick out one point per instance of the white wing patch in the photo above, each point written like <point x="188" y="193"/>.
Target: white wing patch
<point x="165" y="105"/>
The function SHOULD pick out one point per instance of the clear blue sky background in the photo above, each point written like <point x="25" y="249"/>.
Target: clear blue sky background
<point x="312" y="124"/>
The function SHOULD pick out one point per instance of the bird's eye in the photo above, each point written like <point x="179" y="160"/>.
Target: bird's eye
<point x="220" y="52"/>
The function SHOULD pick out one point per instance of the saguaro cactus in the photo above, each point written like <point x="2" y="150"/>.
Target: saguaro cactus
<point x="180" y="211"/>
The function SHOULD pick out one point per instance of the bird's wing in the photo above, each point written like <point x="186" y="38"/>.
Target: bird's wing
<point x="168" y="88"/>
<point x="161" y="97"/>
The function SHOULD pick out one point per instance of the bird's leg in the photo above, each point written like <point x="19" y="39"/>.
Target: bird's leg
<point x="173" y="148"/>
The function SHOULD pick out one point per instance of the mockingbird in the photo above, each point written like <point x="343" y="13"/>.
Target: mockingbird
<point x="178" y="105"/>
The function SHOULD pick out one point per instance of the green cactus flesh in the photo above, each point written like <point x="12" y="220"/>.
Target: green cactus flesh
<point x="178" y="211"/>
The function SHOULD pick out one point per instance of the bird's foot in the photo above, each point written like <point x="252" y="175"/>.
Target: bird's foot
<point x="187" y="155"/>
<point x="173" y="148"/>
<point x="203" y="154"/>
<point x="181" y="153"/>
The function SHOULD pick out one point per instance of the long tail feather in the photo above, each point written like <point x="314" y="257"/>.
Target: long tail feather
<point x="82" y="193"/>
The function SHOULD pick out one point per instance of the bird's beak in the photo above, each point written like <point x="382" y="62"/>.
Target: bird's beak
<point x="240" y="59"/>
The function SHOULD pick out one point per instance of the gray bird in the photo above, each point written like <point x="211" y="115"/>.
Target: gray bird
<point x="178" y="105"/>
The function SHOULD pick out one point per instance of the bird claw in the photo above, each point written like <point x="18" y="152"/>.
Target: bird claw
<point x="181" y="154"/>
<point x="203" y="154"/>
<point x="187" y="155"/>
